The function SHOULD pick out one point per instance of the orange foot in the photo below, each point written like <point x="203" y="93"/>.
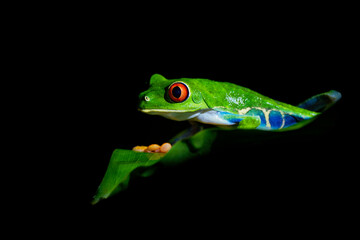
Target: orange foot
<point x="153" y="148"/>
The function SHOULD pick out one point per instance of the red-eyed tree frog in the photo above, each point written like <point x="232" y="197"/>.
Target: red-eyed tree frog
<point x="227" y="104"/>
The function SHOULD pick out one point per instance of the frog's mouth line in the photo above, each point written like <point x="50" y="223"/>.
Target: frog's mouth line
<point x="164" y="110"/>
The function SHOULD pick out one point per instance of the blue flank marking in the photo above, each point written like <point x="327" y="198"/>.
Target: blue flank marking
<point x="291" y="120"/>
<point x="258" y="112"/>
<point x="230" y="117"/>
<point x="275" y="119"/>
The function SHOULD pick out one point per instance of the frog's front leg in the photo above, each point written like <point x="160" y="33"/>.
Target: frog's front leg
<point x="192" y="130"/>
<point x="164" y="148"/>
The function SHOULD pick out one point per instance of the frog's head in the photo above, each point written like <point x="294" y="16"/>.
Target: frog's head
<point x="177" y="99"/>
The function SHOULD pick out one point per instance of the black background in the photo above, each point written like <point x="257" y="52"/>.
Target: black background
<point x="93" y="69"/>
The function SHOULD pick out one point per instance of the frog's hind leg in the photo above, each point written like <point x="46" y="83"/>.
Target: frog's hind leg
<point x="241" y="121"/>
<point x="249" y="122"/>
<point x="321" y="102"/>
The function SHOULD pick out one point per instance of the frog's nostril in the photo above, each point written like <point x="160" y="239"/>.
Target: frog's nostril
<point x="147" y="98"/>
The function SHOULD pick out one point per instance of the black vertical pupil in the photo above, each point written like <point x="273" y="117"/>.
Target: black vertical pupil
<point x="176" y="92"/>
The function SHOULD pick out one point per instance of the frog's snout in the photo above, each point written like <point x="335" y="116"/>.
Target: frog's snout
<point x="143" y="99"/>
<point x="143" y="102"/>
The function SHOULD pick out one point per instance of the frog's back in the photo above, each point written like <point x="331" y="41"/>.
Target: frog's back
<point x="243" y="101"/>
<point x="232" y="96"/>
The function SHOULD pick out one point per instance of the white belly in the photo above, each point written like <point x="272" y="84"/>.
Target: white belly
<point x="204" y="116"/>
<point x="212" y="117"/>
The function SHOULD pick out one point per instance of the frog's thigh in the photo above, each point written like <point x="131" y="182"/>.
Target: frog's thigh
<point x="243" y="121"/>
<point x="249" y="122"/>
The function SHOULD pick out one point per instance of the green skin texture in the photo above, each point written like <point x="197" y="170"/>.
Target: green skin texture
<point x="222" y="97"/>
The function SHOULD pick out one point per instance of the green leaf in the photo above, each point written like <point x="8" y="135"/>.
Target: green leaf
<point x="124" y="162"/>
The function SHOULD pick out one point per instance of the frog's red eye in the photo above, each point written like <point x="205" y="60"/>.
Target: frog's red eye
<point x="178" y="92"/>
